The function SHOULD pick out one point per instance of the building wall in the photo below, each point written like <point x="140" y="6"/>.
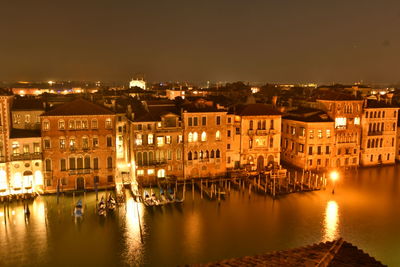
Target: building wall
<point x="26" y="119"/>
<point x="379" y="131"/>
<point x="347" y="117"/>
<point x="163" y="156"/>
<point x="308" y="145"/>
<point x="233" y="141"/>
<point x="260" y="145"/>
<point x="207" y="157"/>
<point x="71" y="177"/>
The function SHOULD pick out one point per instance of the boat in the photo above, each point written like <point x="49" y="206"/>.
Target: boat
<point x="111" y="203"/>
<point x="101" y="209"/>
<point x="146" y="199"/>
<point x="163" y="198"/>
<point x="78" y="210"/>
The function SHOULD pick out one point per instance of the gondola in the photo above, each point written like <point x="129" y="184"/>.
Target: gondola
<point x="101" y="209"/>
<point x="111" y="203"/>
<point x="78" y="210"/>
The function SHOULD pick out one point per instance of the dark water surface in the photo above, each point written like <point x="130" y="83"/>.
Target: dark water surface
<point x="365" y="210"/>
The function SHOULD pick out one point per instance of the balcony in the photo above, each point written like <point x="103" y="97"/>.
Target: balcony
<point x="79" y="171"/>
<point x="375" y="133"/>
<point x="26" y="156"/>
<point x="153" y="163"/>
<point x="251" y="132"/>
<point x="261" y="132"/>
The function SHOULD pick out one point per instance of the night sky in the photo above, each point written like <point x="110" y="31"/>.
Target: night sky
<point x="216" y="40"/>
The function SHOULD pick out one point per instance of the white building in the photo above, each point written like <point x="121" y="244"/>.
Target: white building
<point x="137" y="83"/>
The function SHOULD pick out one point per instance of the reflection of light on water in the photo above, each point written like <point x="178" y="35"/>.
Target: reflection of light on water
<point x="133" y="238"/>
<point x="193" y="231"/>
<point x="38" y="217"/>
<point x="331" y="221"/>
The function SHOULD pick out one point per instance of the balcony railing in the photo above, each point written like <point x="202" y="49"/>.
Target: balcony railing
<point x="26" y="156"/>
<point x="153" y="163"/>
<point x="262" y="132"/>
<point x="79" y="171"/>
<point x="375" y="133"/>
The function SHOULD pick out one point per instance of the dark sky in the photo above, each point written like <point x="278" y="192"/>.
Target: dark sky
<point x="217" y="40"/>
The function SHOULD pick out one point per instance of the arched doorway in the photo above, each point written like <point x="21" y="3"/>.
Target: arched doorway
<point x="271" y="159"/>
<point x="28" y="180"/>
<point x="260" y="163"/>
<point x="80" y="183"/>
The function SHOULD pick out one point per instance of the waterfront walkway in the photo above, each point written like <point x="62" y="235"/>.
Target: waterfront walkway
<point x="333" y="254"/>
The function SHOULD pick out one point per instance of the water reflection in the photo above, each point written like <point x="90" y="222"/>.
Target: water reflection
<point x="133" y="233"/>
<point x="331" y="225"/>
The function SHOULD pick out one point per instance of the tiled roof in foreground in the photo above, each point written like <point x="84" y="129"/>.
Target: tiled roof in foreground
<point x="78" y="106"/>
<point x="334" y="254"/>
<point x="256" y="110"/>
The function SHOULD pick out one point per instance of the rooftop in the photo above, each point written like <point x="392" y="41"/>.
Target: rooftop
<point x="307" y="114"/>
<point x="256" y="110"/>
<point x="378" y="104"/>
<point x="23" y="133"/>
<point x="333" y="253"/>
<point x="336" y="96"/>
<point x="78" y="106"/>
<point x="154" y="113"/>
<point x="27" y="103"/>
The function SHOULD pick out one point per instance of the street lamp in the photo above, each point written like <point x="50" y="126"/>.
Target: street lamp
<point x="334" y="176"/>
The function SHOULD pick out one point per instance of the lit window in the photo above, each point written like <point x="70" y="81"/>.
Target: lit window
<point x="85" y="142"/>
<point x="72" y="143"/>
<point x="46" y="125"/>
<point x="62" y="143"/>
<point x="340" y="122"/>
<point x="203" y="136"/>
<point x="138" y="140"/>
<point x="190" y="137"/>
<point x="218" y="135"/>
<point x="195" y="137"/>
<point x="71" y="124"/>
<point x="85" y="124"/>
<point x="150" y="171"/>
<point x="108" y="123"/>
<point x="357" y="120"/>
<point x="140" y="172"/>
<point x="61" y="124"/>
<point x="320" y="134"/>
<point x="161" y="173"/>
<point x="168" y="139"/>
<point x="95" y="141"/>
<point x="160" y="140"/>
<point x="150" y="139"/>
<point x="311" y="134"/>
<point x="328" y="133"/>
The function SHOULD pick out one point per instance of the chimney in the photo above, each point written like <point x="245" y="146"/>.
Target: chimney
<point x="274" y="100"/>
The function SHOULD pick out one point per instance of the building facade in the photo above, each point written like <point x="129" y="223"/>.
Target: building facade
<point x="307" y="139"/>
<point x="78" y="140"/>
<point x="379" y="132"/>
<point x="346" y="111"/>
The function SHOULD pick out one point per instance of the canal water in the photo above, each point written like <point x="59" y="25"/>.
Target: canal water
<point x="364" y="210"/>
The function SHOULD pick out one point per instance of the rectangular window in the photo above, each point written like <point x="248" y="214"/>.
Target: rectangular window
<point x="302" y="131"/>
<point x="229" y="120"/>
<point x="228" y="146"/>
<point x="169" y="155"/>
<point x="311" y="133"/>
<point x="168" y="139"/>
<point x="95" y="142"/>
<point x="63" y="165"/>
<point x="108" y="124"/>
<point x="160" y="140"/>
<point x="319" y="150"/>
<point x="237" y="130"/>
<point x="95" y="163"/>
<point x="71" y="124"/>
<point x="46" y="143"/>
<point x="310" y="150"/>
<point x="78" y="124"/>
<point x="204" y="121"/>
<point x="190" y="121"/>
<point x="26" y="149"/>
<point x="301" y="148"/>
<point x="272" y="125"/>
<point x="109" y="141"/>
<point x="150" y="172"/>
<point x="179" y="139"/>
<point x="94" y="124"/>
<point x="328" y="133"/>
<point x="229" y="133"/>
<point x="218" y="120"/>
<point x="85" y="124"/>
<point x="36" y="147"/>
<point x="72" y="164"/>
<point x="62" y="143"/>
<point x="319" y="134"/>
<point x="61" y="125"/>
<point x="327" y="151"/>
<point x="195" y="121"/>
<point x="140" y="172"/>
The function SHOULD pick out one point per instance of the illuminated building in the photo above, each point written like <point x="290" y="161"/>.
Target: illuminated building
<point x="346" y="111"/>
<point x="260" y="133"/>
<point x="79" y="152"/>
<point x="137" y="83"/>
<point x="156" y="143"/>
<point x="379" y="131"/>
<point x="26" y="113"/>
<point x="205" y="135"/>
<point x="308" y="139"/>
<point x="172" y="94"/>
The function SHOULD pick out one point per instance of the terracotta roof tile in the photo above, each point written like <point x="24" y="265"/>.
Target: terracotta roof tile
<point x="256" y="110"/>
<point x="78" y="106"/>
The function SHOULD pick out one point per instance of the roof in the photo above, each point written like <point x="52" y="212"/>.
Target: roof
<point x="307" y="114"/>
<point x="78" y="106"/>
<point x="334" y="253"/>
<point x="378" y="104"/>
<point x="256" y="110"/>
<point x="5" y="92"/>
<point x="24" y="133"/>
<point x="154" y="113"/>
<point x="25" y="103"/>
<point x="337" y="96"/>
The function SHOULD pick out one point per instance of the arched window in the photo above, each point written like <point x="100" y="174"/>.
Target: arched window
<point x="381" y="144"/>
<point x="151" y="157"/>
<point x="373" y="143"/>
<point x="195" y="155"/>
<point x="212" y="154"/>
<point x="203" y="136"/>
<point x="195" y="137"/>
<point x="61" y="124"/>
<point x="190" y="156"/>
<point x="217" y="154"/>
<point x="206" y="154"/>
<point x="79" y="163"/>
<point x="139" y="159"/>
<point x="251" y="125"/>
<point x="145" y="158"/>
<point x="218" y="135"/>
<point x="201" y="154"/>
<point x="383" y="114"/>
<point x="46" y="125"/>
<point x="87" y="162"/>
<point x="374" y="127"/>
<point x="264" y="124"/>
<point x="379" y="114"/>
<point x="109" y="163"/>
<point x="85" y="142"/>
<point x="370" y="127"/>
<point x="369" y="144"/>
<point x="259" y="125"/>
<point x="150" y="139"/>
<point x="161" y="173"/>
<point x="190" y="137"/>
<point x="394" y="127"/>
<point x="366" y="114"/>
<point x="382" y="126"/>
<point x="108" y="123"/>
